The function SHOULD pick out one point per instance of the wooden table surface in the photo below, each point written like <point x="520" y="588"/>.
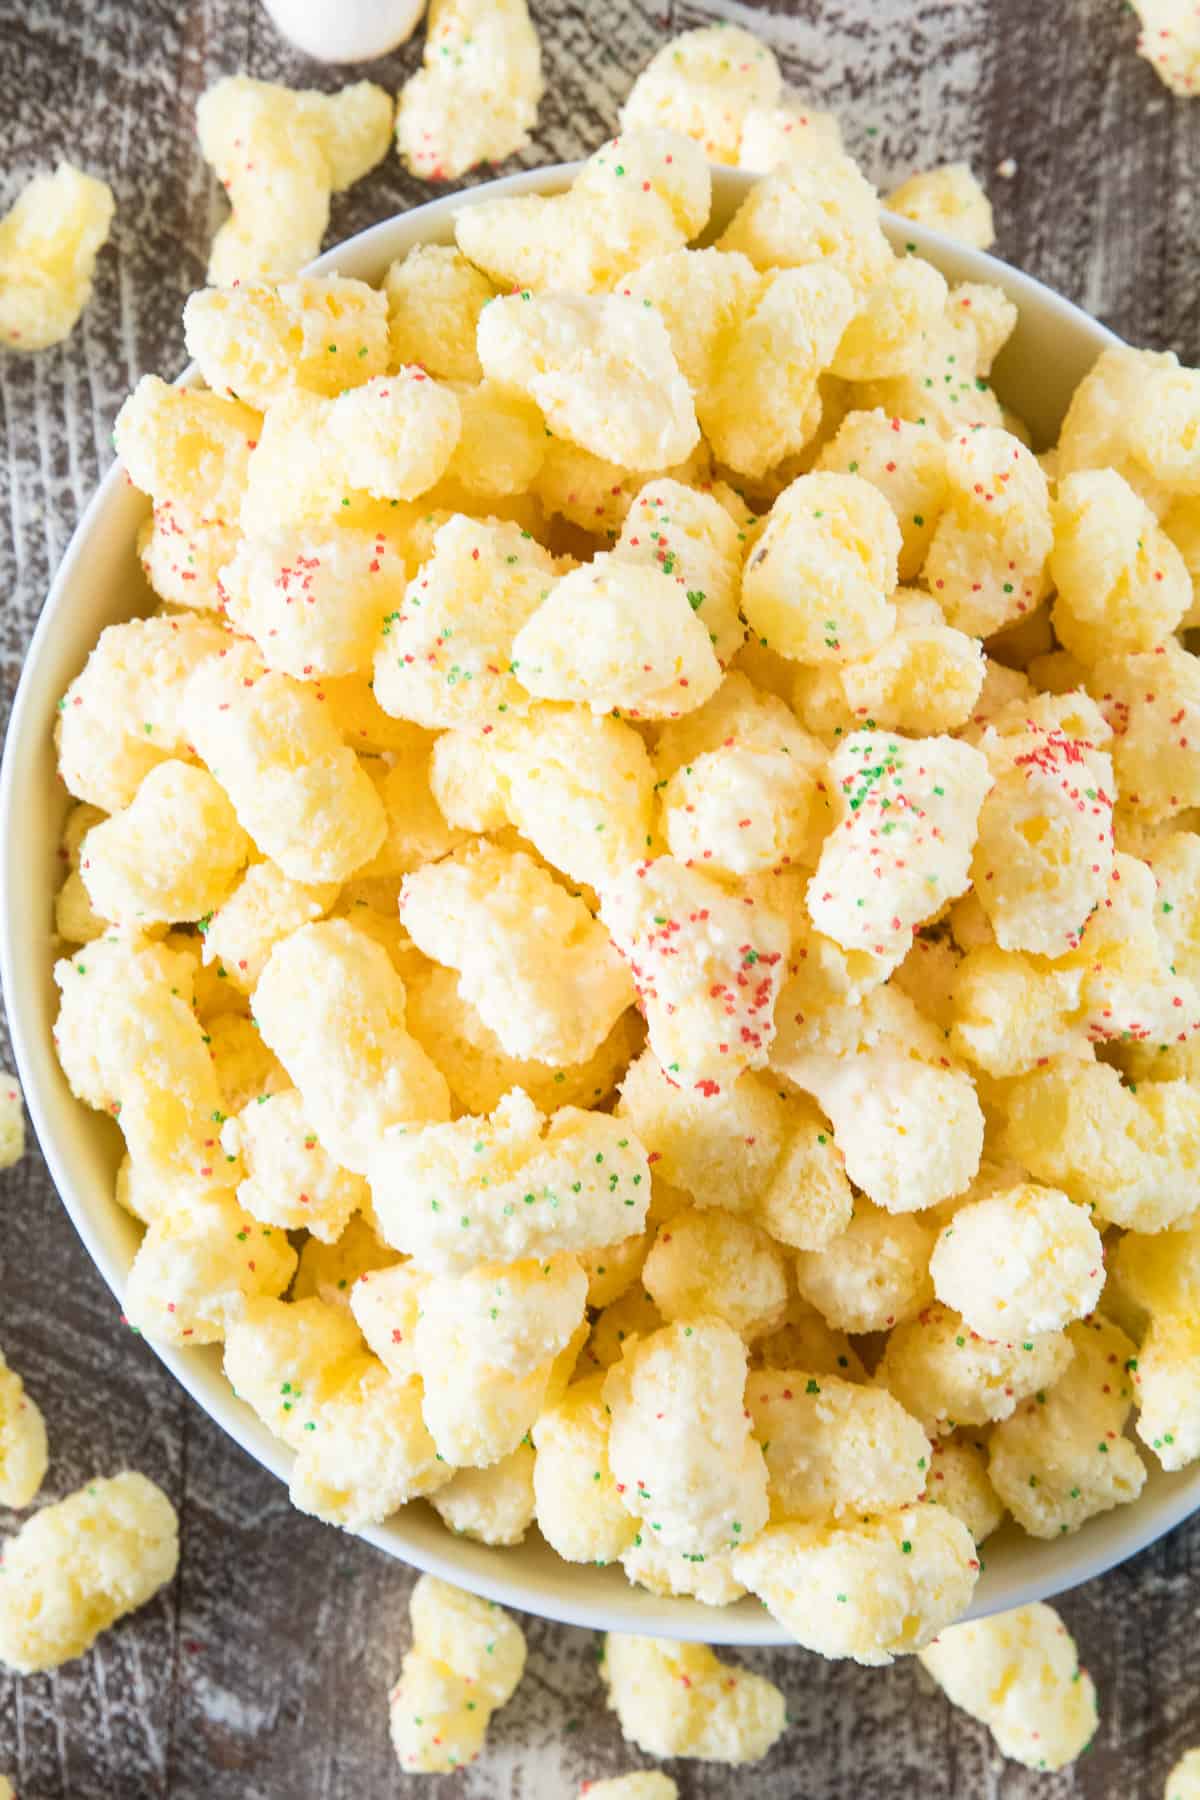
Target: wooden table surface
<point x="262" y="1673"/>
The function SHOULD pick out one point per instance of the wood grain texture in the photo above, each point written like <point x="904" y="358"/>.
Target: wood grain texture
<point x="262" y="1673"/>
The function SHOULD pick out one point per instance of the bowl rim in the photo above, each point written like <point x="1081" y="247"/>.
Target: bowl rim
<point x="437" y="1550"/>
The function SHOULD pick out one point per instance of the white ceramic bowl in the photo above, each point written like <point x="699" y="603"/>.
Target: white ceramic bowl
<point x="99" y="583"/>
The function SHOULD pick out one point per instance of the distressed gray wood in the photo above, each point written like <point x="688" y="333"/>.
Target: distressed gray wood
<point x="262" y="1673"/>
